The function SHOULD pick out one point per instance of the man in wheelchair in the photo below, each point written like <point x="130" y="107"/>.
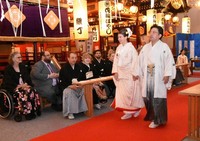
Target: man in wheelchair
<point x="19" y="92"/>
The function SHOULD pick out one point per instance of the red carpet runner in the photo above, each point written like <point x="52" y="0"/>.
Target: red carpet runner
<point x="109" y="126"/>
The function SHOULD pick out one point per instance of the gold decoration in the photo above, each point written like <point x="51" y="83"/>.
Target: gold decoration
<point x="176" y="4"/>
<point x="51" y="20"/>
<point x="15" y="16"/>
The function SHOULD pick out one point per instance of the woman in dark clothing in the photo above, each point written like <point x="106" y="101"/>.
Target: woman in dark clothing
<point x="99" y="93"/>
<point x="18" y="83"/>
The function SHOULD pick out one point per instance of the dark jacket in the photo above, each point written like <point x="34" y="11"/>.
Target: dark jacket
<point x="67" y="74"/>
<point x="11" y="77"/>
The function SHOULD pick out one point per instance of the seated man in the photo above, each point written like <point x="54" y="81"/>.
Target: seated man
<point x="44" y="76"/>
<point x="73" y="95"/>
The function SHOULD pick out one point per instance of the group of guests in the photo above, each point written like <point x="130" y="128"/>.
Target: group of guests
<point x="47" y="81"/>
<point x="140" y="79"/>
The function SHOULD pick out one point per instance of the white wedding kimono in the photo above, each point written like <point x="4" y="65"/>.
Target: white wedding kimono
<point x="128" y="95"/>
<point x="161" y="56"/>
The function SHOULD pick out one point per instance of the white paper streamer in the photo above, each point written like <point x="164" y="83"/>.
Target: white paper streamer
<point x="60" y="18"/>
<point x="47" y="7"/>
<point x="43" y="30"/>
<point x="152" y="3"/>
<point x="2" y="12"/>
<point x="21" y="9"/>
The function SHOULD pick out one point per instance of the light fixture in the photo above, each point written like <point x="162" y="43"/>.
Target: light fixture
<point x="175" y="19"/>
<point x="186" y="24"/>
<point x="120" y="6"/>
<point x="142" y="18"/>
<point x="160" y="19"/>
<point x="134" y="9"/>
<point x="80" y="20"/>
<point x="105" y="18"/>
<point x="151" y="18"/>
<point x="167" y="17"/>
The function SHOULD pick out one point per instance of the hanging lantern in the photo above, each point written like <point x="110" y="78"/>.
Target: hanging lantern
<point x="80" y="20"/>
<point x="134" y="9"/>
<point x="105" y="18"/>
<point x="151" y="18"/>
<point x="175" y="19"/>
<point x="167" y="17"/>
<point x="186" y="25"/>
<point x="160" y="19"/>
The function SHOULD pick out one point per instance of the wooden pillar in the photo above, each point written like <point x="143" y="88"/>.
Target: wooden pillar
<point x="89" y="99"/>
<point x="35" y="51"/>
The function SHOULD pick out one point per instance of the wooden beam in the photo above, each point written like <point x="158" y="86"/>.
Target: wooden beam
<point x="34" y="39"/>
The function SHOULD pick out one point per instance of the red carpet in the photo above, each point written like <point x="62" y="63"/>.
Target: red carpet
<point x="109" y="126"/>
<point x="196" y="74"/>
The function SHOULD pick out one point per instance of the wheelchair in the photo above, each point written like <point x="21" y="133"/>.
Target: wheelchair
<point x="9" y="107"/>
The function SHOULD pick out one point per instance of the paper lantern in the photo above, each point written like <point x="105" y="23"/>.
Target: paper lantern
<point x="105" y="18"/>
<point x="186" y="25"/>
<point x="151" y="18"/>
<point x="160" y="19"/>
<point x="80" y="20"/>
<point x="134" y="9"/>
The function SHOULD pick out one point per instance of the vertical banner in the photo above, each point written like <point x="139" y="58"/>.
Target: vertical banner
<point x="186" y="25"/>
<point x="192" y="49"/>
<point x="80" y="20"/>
<point x="105" y="18"/>
<point x="89" y="47"/>
<point x="95" y="31"/>
<point x="151" y="18"/>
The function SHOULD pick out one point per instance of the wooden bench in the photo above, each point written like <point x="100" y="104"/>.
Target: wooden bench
<point x="193" y="94"/>
<point x="88" y="86"/>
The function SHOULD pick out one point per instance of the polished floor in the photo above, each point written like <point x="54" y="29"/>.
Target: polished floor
<point x="48" y="122"/>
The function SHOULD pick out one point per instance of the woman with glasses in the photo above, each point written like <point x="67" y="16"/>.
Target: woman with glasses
<point x="18" y="83"/>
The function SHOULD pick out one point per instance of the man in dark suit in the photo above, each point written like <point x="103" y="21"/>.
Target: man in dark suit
<point x="73" y="95"/>
<point x="44" y="76"/>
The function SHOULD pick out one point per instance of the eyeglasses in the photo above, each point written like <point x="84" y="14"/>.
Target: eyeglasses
<point x="19" y="57"/>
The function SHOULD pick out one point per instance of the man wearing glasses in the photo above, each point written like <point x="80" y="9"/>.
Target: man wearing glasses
<point x="44" y="76"/>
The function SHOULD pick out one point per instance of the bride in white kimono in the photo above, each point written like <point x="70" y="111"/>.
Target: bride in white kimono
<point x="128" y="98"/>
<point x="157" y="70"/>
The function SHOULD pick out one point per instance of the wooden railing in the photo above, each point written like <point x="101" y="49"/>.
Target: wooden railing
<point x="88" y="86"/>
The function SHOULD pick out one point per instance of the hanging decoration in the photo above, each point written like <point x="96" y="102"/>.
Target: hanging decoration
<point x="80" y="20"/>
<point x="47" y="6"/>
<point x="41" y="19"/>
<point x="15" y="16"/>
<point x="60" y="18"/>
<point x="186" y="25"/>
<point x="151" y="18"/>
<point x="160" y="19"/>
<point x="2" y="12"/>
<point x="105" y="18"/>
<point x="51" y="20"/>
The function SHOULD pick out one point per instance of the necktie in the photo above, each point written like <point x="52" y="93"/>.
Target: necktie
<point x="54" y="79"/>
<point x="50" y="69"/>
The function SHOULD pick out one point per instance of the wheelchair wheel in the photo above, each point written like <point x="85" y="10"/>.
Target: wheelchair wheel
<point x="6" y="104"/>
<point x="18" y="118"/>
